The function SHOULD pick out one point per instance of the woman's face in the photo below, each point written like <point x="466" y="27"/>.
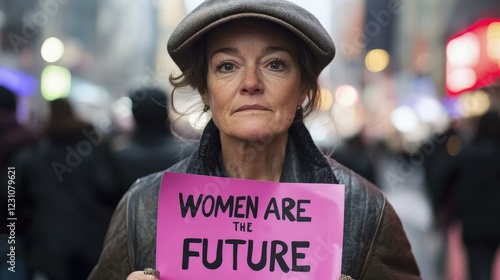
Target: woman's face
<point x="253" y="82"/>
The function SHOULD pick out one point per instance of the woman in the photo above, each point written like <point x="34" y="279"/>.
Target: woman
<point x="255" y="63"/>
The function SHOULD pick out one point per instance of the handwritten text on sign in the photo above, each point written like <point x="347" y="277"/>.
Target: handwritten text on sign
<point x="222" y="228"/>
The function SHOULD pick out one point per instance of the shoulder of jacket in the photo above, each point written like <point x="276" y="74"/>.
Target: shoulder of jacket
<point x="145" y="184"/>
<point x="152" y="182"/>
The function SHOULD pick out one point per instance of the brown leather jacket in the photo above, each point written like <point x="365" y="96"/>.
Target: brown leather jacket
<point x="375" y="245"/>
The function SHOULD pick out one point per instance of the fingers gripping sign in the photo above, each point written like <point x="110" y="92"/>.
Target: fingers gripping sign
<point x="146" y="274"/>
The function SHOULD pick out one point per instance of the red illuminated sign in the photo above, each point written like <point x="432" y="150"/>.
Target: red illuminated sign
<point x="473" y="57"/>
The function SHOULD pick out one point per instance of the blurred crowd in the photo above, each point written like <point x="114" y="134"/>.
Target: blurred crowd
<point x="69" y="178"/>
<point x="446" y="192"/>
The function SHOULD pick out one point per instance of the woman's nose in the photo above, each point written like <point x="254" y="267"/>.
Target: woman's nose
<point x="252" y="83"/>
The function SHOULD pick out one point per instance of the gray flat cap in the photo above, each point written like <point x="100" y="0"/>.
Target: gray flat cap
<point x="212" y="13"/>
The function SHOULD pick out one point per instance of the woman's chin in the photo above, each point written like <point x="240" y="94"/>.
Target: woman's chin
<point x="253" y="129"/>
<point x="257" y="134"/>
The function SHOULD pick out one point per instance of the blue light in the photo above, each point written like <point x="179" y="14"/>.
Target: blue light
<point x="19" y="82"/>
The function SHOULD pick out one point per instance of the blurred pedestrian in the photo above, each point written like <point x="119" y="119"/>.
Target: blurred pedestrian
<point x="439" y="150"/>
<point x="13" y="138"/>
<point x="71" y="182"/>
<point x="474" y="180"/>
<point x="152" y="147"/>
<point x="355" y="154"/>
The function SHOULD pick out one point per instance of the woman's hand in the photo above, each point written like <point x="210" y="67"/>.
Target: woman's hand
<point x="146" y="274"/>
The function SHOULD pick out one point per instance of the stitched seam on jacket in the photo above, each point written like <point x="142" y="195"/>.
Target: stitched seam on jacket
<point x="130" y="249"/>
<point x="375" y="236"/>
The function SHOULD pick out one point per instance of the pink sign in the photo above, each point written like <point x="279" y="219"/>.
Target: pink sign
<point x="224" y="228"/>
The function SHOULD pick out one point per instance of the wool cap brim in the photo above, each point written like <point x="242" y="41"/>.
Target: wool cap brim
<point x="213" y="13"/>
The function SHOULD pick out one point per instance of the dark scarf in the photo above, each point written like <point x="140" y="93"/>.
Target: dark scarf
<point x="304" y="162"/>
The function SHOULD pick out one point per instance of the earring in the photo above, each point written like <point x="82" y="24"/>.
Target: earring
<point x="298" y="113"/>
<point x="206" y="108"/>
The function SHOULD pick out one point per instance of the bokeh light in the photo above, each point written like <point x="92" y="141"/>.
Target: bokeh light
<point x="346" y="95"/>
<point x="464" y="50"/>
<point x="55" y="82"/>
<point x="493" y="37"/>
<point x="404" y="119"/>
<point x="428" y="109"/>
<point x="325" y="99"/>
<point x="494" y="48"/>
<point x="123" y="107"/>
<point x="377" y="60"/>
<point x="460" y="79"/>
<point x="52" y="49"/>
<point x="474" y="103"/>
<point x="493" y="30"/>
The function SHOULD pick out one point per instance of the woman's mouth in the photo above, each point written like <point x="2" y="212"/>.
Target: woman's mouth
<point x="253" y="107"/>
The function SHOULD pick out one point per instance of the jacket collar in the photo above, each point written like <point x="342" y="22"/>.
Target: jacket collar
<point x="304" y="162"/>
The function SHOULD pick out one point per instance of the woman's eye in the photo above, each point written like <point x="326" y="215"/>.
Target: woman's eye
<point x="276" y="65"/>
<point x="226" y="67"/>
